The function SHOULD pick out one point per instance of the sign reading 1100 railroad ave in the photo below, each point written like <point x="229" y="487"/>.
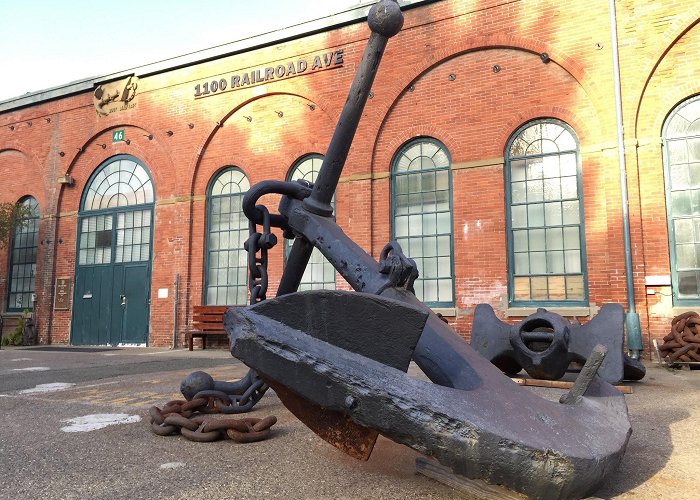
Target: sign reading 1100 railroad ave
<point x="282" y="71"/>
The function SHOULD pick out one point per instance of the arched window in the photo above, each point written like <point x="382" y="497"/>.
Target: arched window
<point x="109" y="202"/>
<point x="681" y="135"/>
<point x="421" y="183"/>
<point x="23" y="259"/>
<point x="227" y="229"/>
<point x="319" y="273"/>
<point x="546" y="247"/>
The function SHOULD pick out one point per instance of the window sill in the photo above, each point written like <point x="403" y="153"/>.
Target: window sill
<point x="676" y="310"/>
<point x="448" y="312"/>
<point x="522" y="312"/>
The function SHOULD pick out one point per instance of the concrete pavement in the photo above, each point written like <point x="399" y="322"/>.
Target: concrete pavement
<point x="43" y="456"/>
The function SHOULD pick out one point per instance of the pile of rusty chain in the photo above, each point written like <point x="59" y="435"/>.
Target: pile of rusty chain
<point x="683" y="343"/>
<point x="188" y="418"/>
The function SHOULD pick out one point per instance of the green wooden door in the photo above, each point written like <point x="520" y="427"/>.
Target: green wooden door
<point x="111" y="305"/>
<point x="134" y="303"/>
<point x="113" y="256"/>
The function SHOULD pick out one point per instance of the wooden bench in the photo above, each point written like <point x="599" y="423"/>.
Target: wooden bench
<point x="206" y="321"/>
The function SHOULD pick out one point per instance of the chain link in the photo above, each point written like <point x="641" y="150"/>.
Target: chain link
<point x="257" y="264"/>
<point x="178" y="416"/>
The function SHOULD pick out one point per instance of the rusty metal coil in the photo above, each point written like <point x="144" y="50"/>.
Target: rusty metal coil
<point x="682" y="344"/>
<point x="176" y="417"/>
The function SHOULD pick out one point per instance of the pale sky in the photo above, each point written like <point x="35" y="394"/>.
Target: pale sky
<point x="45" y="43"/>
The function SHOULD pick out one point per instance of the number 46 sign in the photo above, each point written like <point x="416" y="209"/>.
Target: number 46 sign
<point x="118" y="136"/>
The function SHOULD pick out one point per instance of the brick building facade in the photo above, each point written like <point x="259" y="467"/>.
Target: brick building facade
<point x="488" y="149"/>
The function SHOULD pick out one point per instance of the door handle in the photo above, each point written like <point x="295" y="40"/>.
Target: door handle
<point x="123" y="299"/>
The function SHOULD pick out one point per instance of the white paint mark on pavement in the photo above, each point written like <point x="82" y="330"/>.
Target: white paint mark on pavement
<point x="56" y="386"/>
<point x="22" y="359"/>
<point x="32" y="369"/>
<point x="98" y="421"/>
<point x="172" y="465"/>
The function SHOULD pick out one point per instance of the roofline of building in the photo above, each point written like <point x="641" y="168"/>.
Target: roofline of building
<point x="352" y="15"/>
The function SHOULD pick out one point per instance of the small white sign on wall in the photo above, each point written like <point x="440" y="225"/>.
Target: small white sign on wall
<point x="162" y="293"/>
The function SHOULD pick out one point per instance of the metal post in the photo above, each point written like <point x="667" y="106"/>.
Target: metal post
<point x="177" y="299"/>
<point x="634" y="329"/>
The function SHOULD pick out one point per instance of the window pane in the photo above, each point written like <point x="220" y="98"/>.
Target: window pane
<point x="520" y="241"/>
<point x="519" y="216"/>
<point x="538" y="288"/>
<point x="573" y="261"/>
<point x="685" y="257"/>
<point x="535" y="215"/>
<point x="552" y="214"/>
<point x="688" y="284"/>
<point x="574" y="287"/>
<point x="677" y="154"/>
<point x="517" y="168"/>
<point x="552" y="189"/>
<point x="535" y="191"/>
<point x="568" y="188"/>
<point x="522" y="263"/>
<point x="555" y="240"/>
<point x="679" y="174"/>
<point x="556" y="286"/>
<point x="517" y="193"/>
<point x="555" y="262"/>
<point x="571" y="213"/>
<point x="522" y="288"/>
<point x="538" y="263"/>
<point x="536" y="239"/>
<point x="680" y="203"/>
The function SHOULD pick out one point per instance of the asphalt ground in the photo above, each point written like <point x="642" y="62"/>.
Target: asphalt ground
<point x="43" y="454"/>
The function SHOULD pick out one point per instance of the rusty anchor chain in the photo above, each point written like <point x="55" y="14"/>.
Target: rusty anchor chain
<point x="189" y="419"/>
<point x="682" y="344"/>
<point x="254" y="389"/>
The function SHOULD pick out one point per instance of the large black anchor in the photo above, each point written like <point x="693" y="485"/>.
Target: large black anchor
<point x="337" y="360"/>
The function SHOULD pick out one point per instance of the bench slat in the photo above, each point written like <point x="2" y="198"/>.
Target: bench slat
<point x="209" y="326"/>
<point x="211" y="309"/>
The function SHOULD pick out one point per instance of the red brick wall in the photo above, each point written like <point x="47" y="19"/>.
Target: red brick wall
<point x="473" y="115"/>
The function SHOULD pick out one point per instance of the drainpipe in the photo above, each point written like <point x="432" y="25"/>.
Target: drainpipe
<point x="175" y="304"/>
<point x="632" y="323"/>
